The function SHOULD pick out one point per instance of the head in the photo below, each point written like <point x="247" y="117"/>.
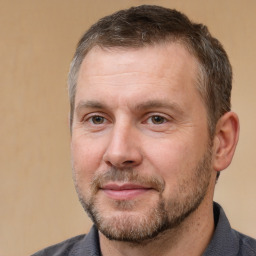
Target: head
<point x="145" y="25"/>
<point x="150" y="121"/>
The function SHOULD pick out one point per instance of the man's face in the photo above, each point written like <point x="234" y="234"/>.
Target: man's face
<point x="140" y="146"/>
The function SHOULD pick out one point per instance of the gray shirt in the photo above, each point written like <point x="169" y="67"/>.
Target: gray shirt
<point x="225" y="242"/>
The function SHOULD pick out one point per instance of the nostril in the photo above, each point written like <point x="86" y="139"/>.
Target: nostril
<point x="128" y="162"/>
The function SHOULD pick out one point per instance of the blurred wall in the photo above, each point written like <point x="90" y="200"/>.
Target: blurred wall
<point x="39" y="206"/>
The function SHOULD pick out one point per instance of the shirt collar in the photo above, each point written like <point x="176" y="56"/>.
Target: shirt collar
<point x="224" y="241"/>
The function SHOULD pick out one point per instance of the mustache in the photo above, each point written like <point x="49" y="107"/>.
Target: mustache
<point x="128" y="175"/>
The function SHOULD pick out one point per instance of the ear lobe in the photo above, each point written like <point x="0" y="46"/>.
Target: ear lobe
<point x="225" y="140"/>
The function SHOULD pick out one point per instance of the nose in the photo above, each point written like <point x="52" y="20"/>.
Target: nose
<point x="123" y="149"/>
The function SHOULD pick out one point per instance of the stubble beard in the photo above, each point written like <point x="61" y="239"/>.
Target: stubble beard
<point x="166" y="214"/>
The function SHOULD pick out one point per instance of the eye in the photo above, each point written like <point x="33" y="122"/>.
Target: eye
<point x="97" y="120"/>
<point x="157" y="119"/>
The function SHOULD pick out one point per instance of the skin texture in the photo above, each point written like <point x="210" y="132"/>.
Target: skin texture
<point x="143" y="164"/>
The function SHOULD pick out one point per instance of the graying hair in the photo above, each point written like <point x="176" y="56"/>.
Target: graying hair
<point x="148" y="25"/>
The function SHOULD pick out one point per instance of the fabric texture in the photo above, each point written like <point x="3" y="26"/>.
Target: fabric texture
<point x="225" y="242"/>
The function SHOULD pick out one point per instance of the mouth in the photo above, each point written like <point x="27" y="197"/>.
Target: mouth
<point x="126" y="191"/>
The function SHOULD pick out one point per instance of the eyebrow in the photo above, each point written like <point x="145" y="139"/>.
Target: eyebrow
<point x="89" y="104"/>
<point x="151" y="104"/>
<point x="159" y="104"/>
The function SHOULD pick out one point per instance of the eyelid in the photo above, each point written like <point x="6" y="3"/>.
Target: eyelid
<point x="87" y="116"/>
<point x="152" y="114"/>
<point x="94" y="122"/>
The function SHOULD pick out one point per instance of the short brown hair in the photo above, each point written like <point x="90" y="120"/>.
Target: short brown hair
<point x="148" y="25"/>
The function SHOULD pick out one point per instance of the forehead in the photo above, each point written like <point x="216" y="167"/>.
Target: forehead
<point x="160" y="60"/>
<point x="132" y="73"/>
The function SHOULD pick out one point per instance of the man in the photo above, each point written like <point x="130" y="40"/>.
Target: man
<point x="151" y="129"/>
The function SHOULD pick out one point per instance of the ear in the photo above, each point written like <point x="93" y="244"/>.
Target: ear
<point x="225" y="140"/>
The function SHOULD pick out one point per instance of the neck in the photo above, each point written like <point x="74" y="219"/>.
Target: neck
<point x="191" y="237"/>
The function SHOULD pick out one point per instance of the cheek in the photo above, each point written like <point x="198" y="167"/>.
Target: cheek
<point x="167" y="153"/>
<point x="86" y="159"/>
<point x="174" y="160"/>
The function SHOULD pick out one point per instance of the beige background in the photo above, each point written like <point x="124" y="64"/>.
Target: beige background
<point x="37" y="40"/>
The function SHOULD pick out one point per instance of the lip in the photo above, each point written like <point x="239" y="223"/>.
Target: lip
<point x="126" y="191"/>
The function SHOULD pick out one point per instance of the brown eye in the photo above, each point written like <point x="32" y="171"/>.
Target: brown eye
<point x="97" y="119"/>
<point x="158" y="119"/>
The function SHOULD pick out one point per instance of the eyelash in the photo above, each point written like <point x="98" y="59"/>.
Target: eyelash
<point x="148" y="120"/>
<point x="90" y="119"/>
<point x="162" y="118"/>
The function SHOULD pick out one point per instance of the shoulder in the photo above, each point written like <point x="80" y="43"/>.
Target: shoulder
<point x="82" y="245"/>
<point x="247" y="245"/>
<point x="227" y="241"/>
<point x="64" y="248"/>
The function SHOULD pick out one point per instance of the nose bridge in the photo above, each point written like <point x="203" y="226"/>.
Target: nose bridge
<point x="122" y="149"/>
<point x="122" y="130"/>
